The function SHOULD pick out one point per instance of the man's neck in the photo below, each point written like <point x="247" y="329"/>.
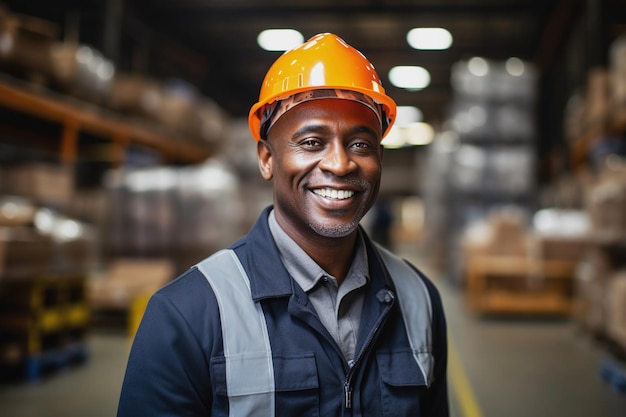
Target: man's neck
<point x="334" y="255"/>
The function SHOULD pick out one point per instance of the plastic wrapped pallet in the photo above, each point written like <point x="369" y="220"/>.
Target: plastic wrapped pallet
<point x="142" y="211"/>
<point x="75" y="248"/>
<point x="479" y="77"/>
<point x="185" y="213"/>
<point x="492" y="170"/>
<point x="211" y="211"/>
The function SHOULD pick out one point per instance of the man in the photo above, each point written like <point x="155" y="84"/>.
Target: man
<point x="305" y="315"/>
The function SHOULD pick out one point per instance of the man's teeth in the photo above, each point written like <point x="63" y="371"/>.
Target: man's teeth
<point x="335" y="194"/>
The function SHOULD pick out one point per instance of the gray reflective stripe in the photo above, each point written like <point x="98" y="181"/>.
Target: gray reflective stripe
<point x="416" y="310"/>
<point x="249" y="367"/>
<point x="247" y="351"/>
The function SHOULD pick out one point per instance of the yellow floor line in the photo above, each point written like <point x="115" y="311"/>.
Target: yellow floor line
<point x="460" y="384"/>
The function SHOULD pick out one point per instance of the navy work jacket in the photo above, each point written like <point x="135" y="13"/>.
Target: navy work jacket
<point x="176" y="364"/>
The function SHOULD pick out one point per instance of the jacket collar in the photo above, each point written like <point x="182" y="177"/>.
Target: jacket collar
<point x="261" y="260"/>
<point x="268" y="277"/>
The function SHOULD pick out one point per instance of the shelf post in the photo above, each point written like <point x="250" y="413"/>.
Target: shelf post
<point x="69" y="141"/>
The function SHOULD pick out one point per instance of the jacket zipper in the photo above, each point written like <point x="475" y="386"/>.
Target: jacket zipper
<point x="347" y="386"/>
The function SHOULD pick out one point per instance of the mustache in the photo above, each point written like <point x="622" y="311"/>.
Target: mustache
<point x="352" y="180"/>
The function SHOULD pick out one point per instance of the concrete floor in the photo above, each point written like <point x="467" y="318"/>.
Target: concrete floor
<point x="90" y="389"/>
<point x="528" y="367"/>
<point x="513" y="367"/>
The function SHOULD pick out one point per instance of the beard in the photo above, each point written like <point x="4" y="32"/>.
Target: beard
<point x="341" y="230"/>
<point x="334" y="231"/>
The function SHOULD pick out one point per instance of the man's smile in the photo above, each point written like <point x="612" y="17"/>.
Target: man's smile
<point x="333" y="193"/>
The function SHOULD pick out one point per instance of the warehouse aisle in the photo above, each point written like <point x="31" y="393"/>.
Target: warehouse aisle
<point x="507" y="368"/>
<point x="527" y="367"/>
<point x="521" y="366"/>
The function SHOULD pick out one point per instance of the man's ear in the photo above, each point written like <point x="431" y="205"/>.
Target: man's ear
<point x="265" y="157"/>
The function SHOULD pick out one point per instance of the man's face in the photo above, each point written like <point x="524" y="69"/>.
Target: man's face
<point x="325" y="159"/>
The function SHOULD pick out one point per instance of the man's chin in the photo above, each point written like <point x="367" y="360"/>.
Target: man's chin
<point x="334" y="231"/>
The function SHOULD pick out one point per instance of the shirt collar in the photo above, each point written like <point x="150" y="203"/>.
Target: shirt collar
<point x="304" y="270"/>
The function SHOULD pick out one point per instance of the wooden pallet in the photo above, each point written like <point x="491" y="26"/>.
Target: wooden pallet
<point x="519" y="285"/>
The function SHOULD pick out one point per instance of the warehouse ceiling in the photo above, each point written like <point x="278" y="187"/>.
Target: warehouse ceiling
<point x="212" y="43"/>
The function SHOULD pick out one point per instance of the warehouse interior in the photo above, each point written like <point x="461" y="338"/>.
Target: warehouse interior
<point x="125" y="158"/>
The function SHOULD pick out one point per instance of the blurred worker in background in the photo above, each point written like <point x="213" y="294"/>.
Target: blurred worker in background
<point x="305" y="315"/>
<point x="382" y="222"/>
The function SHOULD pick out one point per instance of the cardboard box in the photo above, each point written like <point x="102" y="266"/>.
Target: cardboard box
<point x="568" y="248"/>
<point x="597" y="96"/>
<point x="24" y="252"/>
<point x="46" y="184"/>
<point x="606" y="202"/>
<point x="125" y="279"/>
<point x="15" y="211"/>
<point x="617" y="68"/>
<point x="590" y="289"/>
<point x="616" y="308"/>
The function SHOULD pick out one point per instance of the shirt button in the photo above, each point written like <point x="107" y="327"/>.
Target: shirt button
<point x="385" y="296"/>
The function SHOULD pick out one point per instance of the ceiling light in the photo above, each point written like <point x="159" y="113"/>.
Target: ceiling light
<point x="279" y="39"/>
<point x="429" y="38"/>
<point x="407" y="114"/>
<point x="515" y="66"/>
<point x="419" y="134"/>
<point x="409" y="77"/>
<point x="409" y="135"/>
<point x="478" y="66"/>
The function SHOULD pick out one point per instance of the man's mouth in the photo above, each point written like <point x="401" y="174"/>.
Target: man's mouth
<point x="333" y="194"/>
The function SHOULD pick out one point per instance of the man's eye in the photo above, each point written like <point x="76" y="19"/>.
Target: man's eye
<point x="310" y="142"/>
<point x="362" y="145"/>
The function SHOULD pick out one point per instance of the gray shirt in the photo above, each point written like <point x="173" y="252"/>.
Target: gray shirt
<point x="337" y="306"/>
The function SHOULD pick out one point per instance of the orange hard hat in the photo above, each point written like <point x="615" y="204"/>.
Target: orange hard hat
<point x="323" y="62"/>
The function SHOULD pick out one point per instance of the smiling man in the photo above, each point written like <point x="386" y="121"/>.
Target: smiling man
<point x="305" y="315"/>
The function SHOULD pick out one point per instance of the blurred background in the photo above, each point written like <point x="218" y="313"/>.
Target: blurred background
<point x="125" y="158"/>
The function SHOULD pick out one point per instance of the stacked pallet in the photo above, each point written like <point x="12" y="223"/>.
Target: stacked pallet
<point x="45" y="259"/>
<point x="601" y="281"/>
<point x="43" y="322"/>
<point x="600" y="296"/>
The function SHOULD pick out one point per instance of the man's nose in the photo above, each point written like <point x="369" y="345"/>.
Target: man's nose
<point x="337" y="160"/>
